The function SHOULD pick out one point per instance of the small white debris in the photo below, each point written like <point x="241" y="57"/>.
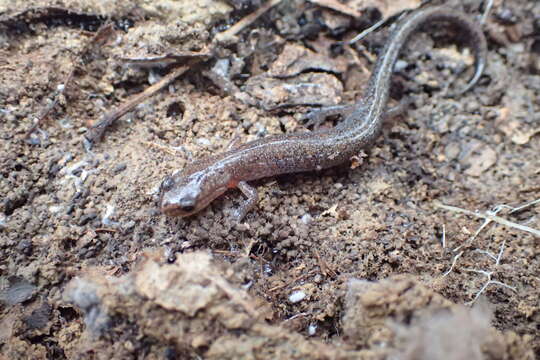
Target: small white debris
<point x="297" y="296"/>
<point x="106" y="217"/>
<point x="55" y="209"/>
<point x="247" y="285"/>
<point x="312" y="329"/>
<point x="306" y="219"/>
<point x="70" y="170"/>
<point x="260" y="129"/>
<point x="154" y="190"/>
<point x="118" y="40"/>
<point x="65" y="123"/>
<point x="153" y="77"/>
<point x="203" y="141"/>
<point x="222" y="67"/>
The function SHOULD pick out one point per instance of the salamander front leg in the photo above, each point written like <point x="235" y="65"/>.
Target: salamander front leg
<point x="252" y="198"/>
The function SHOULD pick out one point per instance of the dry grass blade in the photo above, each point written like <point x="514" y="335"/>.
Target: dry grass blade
<point x="487" y="216"/>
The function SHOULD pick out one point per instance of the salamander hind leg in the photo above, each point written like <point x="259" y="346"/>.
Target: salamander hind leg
<point x="318" y="116"/>
<point x="252" y="198"/>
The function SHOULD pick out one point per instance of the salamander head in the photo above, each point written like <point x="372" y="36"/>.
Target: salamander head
<point x="185" y="194"/>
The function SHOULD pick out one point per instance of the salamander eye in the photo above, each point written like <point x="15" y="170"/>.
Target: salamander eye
<point x="188" y="208"/>
<point x="167" y="184"/>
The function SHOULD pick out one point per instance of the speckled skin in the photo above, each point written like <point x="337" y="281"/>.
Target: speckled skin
<point x="192" y="189"/>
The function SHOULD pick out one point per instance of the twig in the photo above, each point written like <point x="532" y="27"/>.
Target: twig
<point x="105" y="230"/>
<point x="301" y="277"/>
<point x="369" y="30"/>
<point x="378" y="24"/>
<point x="226" y="253"/>
<point x="95" y="133"/>
<point x="489" y="5"/>
<point x="296" y="316"/>
<point x="524" y="206"/>
<point x="495" y="218"/>
<point x="443" y="240"/>
<point x="499" y="257"/>
<point x="231" y="32"/>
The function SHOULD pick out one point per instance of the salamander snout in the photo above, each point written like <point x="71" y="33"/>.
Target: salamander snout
<point x="184" y="194"/>
<point x="179" y="198"/>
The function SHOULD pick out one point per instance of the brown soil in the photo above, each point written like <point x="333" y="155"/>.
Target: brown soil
<point x="346" y="263"/>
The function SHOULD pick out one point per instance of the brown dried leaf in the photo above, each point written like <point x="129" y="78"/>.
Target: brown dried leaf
<point x="295" y="59"/>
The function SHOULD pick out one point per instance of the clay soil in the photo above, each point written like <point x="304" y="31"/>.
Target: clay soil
<point x="361" y="261"/>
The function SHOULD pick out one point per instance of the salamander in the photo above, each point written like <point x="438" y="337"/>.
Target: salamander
<point x="192" y="189"/>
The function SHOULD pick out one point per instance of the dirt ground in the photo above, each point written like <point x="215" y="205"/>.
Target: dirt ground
<point x="362" y="261"/>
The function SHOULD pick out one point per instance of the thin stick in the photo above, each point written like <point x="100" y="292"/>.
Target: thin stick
<point x="230" y="33"/>
<point x="499" y="257"/>
<point x="486" y="11"/>
<point x="454" y="260"/>
<point x="377" y="25"/>
<point x="95" y="133"/>
<point x="368" y="31"/>
<point x="524" y="206"/>
<point x="468" y="242"/>
<point x="443" y="236"/>
<point x="495" y="218"/>
<point x="296" y="316"/>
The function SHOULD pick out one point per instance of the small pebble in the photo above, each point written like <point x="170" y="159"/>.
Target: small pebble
<point x="119" y="168"/>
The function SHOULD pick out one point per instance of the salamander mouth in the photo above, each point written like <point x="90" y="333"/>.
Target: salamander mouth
<point x="174" y="209"/>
